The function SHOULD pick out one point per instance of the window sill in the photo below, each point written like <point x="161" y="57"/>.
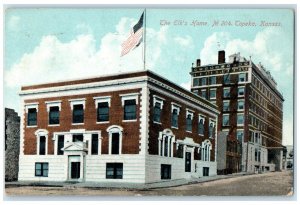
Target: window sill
<point x="104" y="122"/>
<point x="56" y="125"/>
<point x="77" y="123"/>
<point x="129" y="120"/>
<point x="157" y="122"/>
<point x="202" y="135"/>
<point x="174" y="127"/>
<point x="189" y="131"/>
<point x="31" y="126"/>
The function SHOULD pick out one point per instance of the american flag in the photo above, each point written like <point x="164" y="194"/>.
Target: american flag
<point x="135" y="37"/>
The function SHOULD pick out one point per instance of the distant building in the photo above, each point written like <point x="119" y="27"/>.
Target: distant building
<point x="12" y="144"/>
<point x="250" y="112"/>
<point x="136" y="127"/>
<point x="289" y="157"/>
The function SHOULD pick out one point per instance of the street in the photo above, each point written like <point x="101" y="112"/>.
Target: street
<point x="267" y="184"/>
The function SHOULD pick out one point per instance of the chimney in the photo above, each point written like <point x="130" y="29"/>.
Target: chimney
<point x="221" y="57"/>
<point x="198" y="63"/>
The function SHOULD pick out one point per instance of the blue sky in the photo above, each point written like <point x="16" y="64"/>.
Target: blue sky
<point x="44" y="45"/>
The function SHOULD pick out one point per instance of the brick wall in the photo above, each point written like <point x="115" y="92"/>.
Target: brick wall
<point x="130" y="142"/>
<point x="179" y="133"/>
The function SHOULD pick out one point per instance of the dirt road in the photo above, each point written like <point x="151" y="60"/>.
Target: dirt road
<point x="269" y="184"/>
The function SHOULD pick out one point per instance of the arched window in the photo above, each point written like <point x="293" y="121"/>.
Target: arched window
<point x="205" y="150"/>
<point x="115" y="139"/>
<point x="165" y="143"/>
<point x="42" y="142"/>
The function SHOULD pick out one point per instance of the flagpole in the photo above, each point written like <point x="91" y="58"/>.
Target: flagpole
<point x="144" y="39"/>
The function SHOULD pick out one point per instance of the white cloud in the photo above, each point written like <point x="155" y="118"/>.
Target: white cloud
<point x="14" y="23"/>
<point x="54" y="60"/>
<point x="186" y="85"/>
<point x="185" y="41"/>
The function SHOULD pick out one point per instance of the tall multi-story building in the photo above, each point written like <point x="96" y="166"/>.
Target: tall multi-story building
<point x="250" y="112"/>
<point x="133" y="127"/>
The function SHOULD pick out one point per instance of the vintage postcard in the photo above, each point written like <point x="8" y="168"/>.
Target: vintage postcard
<point x="149" y="101"/>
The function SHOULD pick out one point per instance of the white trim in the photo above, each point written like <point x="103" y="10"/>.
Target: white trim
<point x="101" y="99"/>
<point x="103" y="122"/>
<point x="79" y="101"/>
<point x="129" y="96"/>
<point x="134" y="120"/>
<point x="163" y="135"/>
<point x="159" y="100"/>
<point x="53" y="104"/>
<point x="197" y="107"/>
<point x="82" y="123"/>
<point x="201" y="117"/>
<point x="32" y="105"/>
<point x="175" y="106"/>
<point x="189" y="112"/>
<point x="114" y="129"/>
<point x="38" y="134"/>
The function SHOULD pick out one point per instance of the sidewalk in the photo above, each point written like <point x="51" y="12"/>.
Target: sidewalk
<point x="99" y="185"/>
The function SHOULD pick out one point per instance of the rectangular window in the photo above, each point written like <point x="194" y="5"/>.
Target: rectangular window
<point x="240" y="135"/>
<point x="256" y="155"/>
<point x="240" y="119"/>
<point x="179" y="152"/>
<point x="78" y="113"/>
<point x="241" y="91"/>
<point x="196" y="81"/>
<point x="211" y="130"/>
<point x="95" y="144"/>
<point x="226" y="92"/>
<point x="226" y="78"/>
<point x="114" y="170"/>
<point x="130" y="110"/>
<point x="188" y="162"/>
<point x="202" y="81"/>
<point x="225" y="120"/>
<point x="213" y="80"/>
<point x="60" y="144"/>
<point x="203" y="93"/>
<point x="157" y="112"/>
<point x="241" y="104"/>
<point x="175" y="118"/>
<point x="201" y="126"/>
<point x="205" y="171"/>
<point x="226" y="106"/>
<point x="242" y="77"/>
<point x="78" y="138"/>
<point x="42" y="149"/>
<point x="212" y="93"/>
<point x="189" y="123"/>
<point x="165" y="171"/>
<point x="54" y="115"/>
<point x="41" y="169"/>
<point x="103" y="112"/>
<point x="32" y="117"/>
<point x="115" y="143"/>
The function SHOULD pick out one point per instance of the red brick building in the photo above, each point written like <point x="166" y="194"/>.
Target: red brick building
<point x="250" y="112"/>
<point x="135" y="127"/>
